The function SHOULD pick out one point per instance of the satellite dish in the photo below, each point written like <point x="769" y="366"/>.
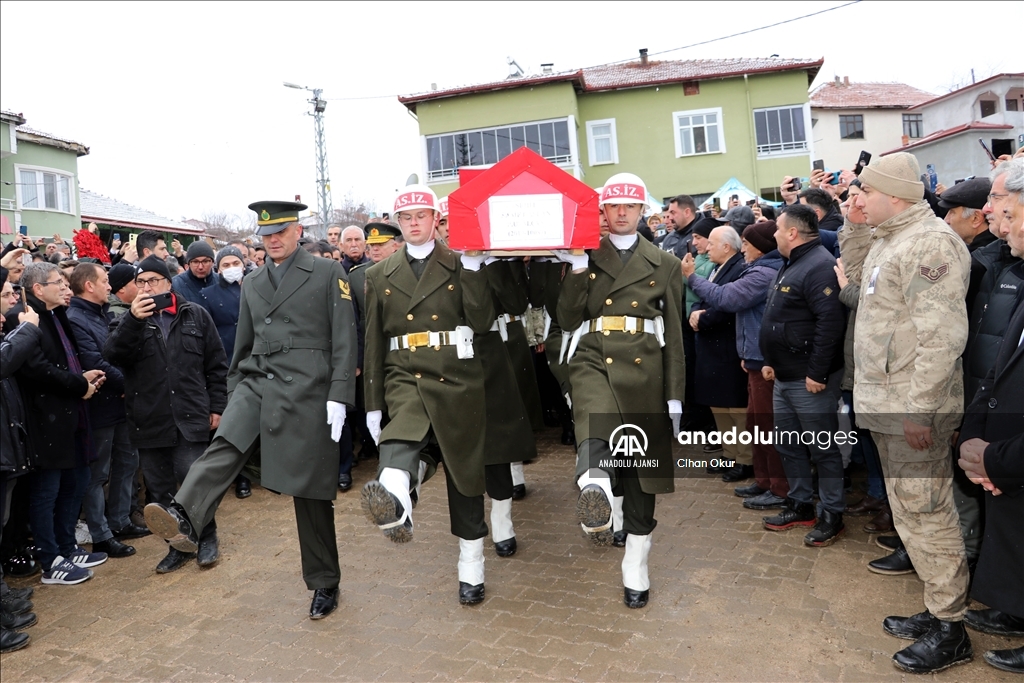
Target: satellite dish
<point x="413" y="179"/>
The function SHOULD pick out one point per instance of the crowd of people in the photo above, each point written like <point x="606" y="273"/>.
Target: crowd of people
<point x="864" y="303"/>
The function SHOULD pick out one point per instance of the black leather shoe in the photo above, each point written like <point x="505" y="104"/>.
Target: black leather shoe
<point x="909" y="628"/>
<point x="995" y="622"/>
<point x="243" y="487"/>
<point x="172" y="525"/>
<point x="21" y="593"/>
<point x="765" y="501"/>
<point x="946" y="644"/>
<point x="344" y="481"/>
<point x="568" y="436"/>
<point x="506" y="548"/>
<point x="470" y="595"/>
<point x="1007" y="660"/>
<point x="174" y="561"/>
<point x="748" y="491"/>
<point x="827" y="530"/>
<point x="793" y="515"/>
<point x="14" y="605"/>
<point x="20" y="565"/>
<point x="888" y="542"/>
<point x="635" y="599"/>
<point x="619" y="539"/>
<point x="325" y="601"/>
<point x="130" y="531"/>
<point x="209" y="551"/>
<point x="17" y="622"/>
<point x="893" y="565"/>
<point x="519" y="492"/>
<point x="738" y="473"/>
<point x="113" y="548"/>
<point x="12" y="640"/>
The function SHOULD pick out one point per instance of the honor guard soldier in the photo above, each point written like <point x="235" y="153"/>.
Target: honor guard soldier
<point x="624" y="303"/>
<point x="291" y="378"/>
<point x="442" y="223"/>
<point x="423" y="305"/>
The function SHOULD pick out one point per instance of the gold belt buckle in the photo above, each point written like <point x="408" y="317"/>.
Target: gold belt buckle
<point x="615" y="323"/>
<point x="418" y="339"/>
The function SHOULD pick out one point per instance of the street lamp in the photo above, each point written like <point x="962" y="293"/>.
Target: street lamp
<point x="323" y="182"/>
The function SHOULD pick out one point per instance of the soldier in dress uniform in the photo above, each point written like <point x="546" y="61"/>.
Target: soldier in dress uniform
<point x="423" y="305"/>
<point x="291" y="377"/>
<point x="624" y="302"/>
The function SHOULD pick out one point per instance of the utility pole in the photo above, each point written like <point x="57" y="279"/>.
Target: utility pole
<point x="323" y="181"/>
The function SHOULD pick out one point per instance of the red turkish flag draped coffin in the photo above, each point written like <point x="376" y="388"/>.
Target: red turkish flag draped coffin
<point x="524" y="204"/>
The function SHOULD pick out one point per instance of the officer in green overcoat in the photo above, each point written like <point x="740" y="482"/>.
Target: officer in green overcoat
<point x="291" y="377"/>
<point x="623" y="303"/>
<point x="423" y="305"/>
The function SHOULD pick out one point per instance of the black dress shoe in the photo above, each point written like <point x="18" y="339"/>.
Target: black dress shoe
<point x="738" y="473"/>
<point x="568" y="436"/>
<point x="243" y="487"/>
<point x="20" y="565"/>
<point x="893" y="565"/>
<point x="888" y="542"/>
<point x="209" y="551"/>
<point x="130" y="531"/>
<point x="710" y="449"/>
<point x="325" y="601"/>
<point x="21" y="593"/>
<point x="827" y="530"/>
<point x="519" y="492"/>
<point x="17" y="622"/>
<point x="15" y="605"/>
<point x="909" y="628"/>
<point x="470" y="595"/>
<point x="12" y="640"/>
<point x="174" y="560"/>
<point x="113" y="548"/>
<point x="995" y="622"/>
<point x="344" y="481"/>
<point x="748" y="491"/>
<point x="506" y="548"/>
<point x="172" y="525"/>
<point x="946" y="644"/>
<point x="635" y="599"/>
<point x="1007" y="660"/>
<point x="619" y="539"/>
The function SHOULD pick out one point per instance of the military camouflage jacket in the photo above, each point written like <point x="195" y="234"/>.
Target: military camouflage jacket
<point x="911" y="324"/>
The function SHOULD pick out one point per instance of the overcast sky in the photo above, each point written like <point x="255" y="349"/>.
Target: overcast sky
<point x="183" y="108"/>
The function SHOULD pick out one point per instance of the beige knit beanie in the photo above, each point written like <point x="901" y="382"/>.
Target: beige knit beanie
<point x="897" y="175"/>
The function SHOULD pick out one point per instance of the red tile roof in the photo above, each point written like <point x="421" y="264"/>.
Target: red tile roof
<point x="834" y="95"/>
<point x="633" y="75"/>
<point x="949" y="132"/>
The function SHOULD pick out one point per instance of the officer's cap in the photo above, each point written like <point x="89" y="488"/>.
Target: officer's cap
<point x="273" y="217"/>
<point x="971" y="193"/>
<point x="379" y="233"/>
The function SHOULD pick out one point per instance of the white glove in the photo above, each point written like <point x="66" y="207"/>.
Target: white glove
<point x="578" y="262"/>
<point x="373" y="424"/>
<point x="336" y="418"/>
<point x="473" y="263"/>
<point x="675" y="413"/>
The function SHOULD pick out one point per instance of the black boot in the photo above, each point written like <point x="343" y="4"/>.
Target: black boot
<point x="793" y="515"/>
<point x="909" y="628"/>
<point x="946" y="644"/>
<point x="174" y="561"/>
<point x="12" y="640"/>
<point x="827" y="530"/>
<point x="893" y="565"/>
<point x="470" y="595"/>
<point x="1007" y="660"/>
<point x="995" y="622"/>
<point x="209" y="551"/>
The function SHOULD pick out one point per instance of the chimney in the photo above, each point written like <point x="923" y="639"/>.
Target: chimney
<point x="547" y="68"/>
<point x="433" y="86"/>
<point x="846" y="80"/>
<point x="905" y="140"/>
<point x="837" y="80"/>
<point x="643" y="57"/>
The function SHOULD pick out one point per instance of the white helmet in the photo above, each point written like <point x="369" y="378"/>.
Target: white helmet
<point x="624" y="188"/>
<point x="442" y="206"/>
<point x="415" y="197"/>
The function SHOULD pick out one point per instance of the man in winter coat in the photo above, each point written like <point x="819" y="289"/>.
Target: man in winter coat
<point x="199" y="272"/>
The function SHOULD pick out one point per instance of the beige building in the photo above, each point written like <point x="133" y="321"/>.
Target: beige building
<point x="849" y="117"/>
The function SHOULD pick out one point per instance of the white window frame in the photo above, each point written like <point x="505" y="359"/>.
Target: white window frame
<point x="697" y="112"/>
<point x="60" y="173"/>
<point x="796" y="151"/>
<point x="592" y="145"/>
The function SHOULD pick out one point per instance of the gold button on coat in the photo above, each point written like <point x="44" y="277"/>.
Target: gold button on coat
<point x="387" y="292"/>
<point x="433" y="317"/>
<point x="418" y="375"/>
<point x="637" y="361"/>
<point x="651" y="283"/>
<point x="634" y="304"/>
<point x="593" y="276"/>
<point x="451" y="288"/>
<point x="409" y="317"/>
<point x="608" y="361"/>
<point x="607" y="302"/>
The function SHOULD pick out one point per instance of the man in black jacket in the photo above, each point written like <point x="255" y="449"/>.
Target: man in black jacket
<point x="802" y="342"/>
<point x="175" y="372"/>
<point x="199" y="275"/>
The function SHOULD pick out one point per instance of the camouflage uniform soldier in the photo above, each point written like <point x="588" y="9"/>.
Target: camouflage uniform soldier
<point x="908" y="390"/>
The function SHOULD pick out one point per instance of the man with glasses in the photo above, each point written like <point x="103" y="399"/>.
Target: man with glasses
<point x="175" y="381"/>
<point x="58" y="428"/>
<point x="198" y="274"/>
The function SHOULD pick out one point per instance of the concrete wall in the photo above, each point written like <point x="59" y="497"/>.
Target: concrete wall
<point x="961" y="107"/>
<point x="958" y="156"/>
<point x="883" y="130"/>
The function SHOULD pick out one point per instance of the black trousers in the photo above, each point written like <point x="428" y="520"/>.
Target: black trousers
<point x="465" y="512"/>
<point x="637" y="506"/>
<point x="498" y="481"/>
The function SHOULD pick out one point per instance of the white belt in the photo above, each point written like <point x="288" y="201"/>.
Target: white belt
<point x="547" y="322"/>
<point x="461" y="338"/>
<point x="618" y="323"/>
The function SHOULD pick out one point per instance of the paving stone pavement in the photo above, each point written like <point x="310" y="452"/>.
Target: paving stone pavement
<point x="729" y="602"/>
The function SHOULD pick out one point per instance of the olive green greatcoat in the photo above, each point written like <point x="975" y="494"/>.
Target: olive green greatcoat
<point x="295" y="350"/>
<point x="513" y="298"/>
<point x="429" y="387"/>
<point x="545" y="287"/>
<point x="357" y="278"/>
<point x="622" y="374"/>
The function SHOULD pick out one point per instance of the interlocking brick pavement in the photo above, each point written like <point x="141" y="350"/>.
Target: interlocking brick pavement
<point x="729" y="601"/>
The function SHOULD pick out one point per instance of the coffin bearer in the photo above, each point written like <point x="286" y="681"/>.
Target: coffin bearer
<point x="291" y="378"/>
<point x="423" y="305"/>
<point x="626" y="365"/>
